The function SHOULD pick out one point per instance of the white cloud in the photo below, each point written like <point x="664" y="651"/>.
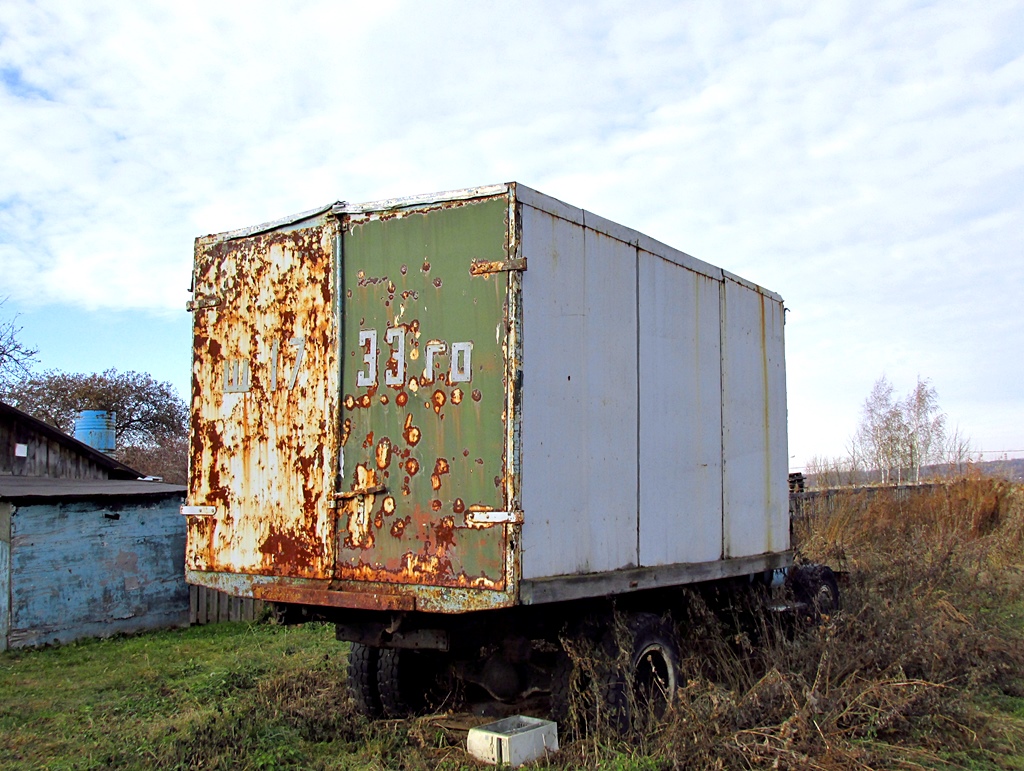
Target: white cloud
<point x="861" y="158"/>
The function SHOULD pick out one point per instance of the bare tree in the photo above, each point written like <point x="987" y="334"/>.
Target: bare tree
<point x="899" y="435"/>
<point x="926" y="427"/>
<point x="16" y="358"/>
<point x="879" y="437"/>
<point x="958" y="453"/>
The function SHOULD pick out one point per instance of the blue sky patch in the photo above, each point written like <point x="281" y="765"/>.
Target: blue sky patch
<point x="17" y="85"/>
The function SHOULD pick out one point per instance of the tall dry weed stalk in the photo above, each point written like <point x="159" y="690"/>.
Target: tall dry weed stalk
<point x="933" y="587"/>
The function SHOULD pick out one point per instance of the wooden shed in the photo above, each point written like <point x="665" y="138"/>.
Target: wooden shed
<point x="86" y="547"/>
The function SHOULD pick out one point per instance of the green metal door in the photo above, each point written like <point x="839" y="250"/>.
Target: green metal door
<point x="423" y="493"/>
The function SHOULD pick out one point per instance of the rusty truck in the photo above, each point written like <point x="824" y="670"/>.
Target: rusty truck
<point x="464" y="427"/>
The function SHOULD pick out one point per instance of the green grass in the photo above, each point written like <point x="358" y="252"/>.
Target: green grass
<point x="924" y="668"/>
<point x="187" y="698"/>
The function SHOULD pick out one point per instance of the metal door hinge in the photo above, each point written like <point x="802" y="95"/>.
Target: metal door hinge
<point x="202" y="303"/>
<point x="199" y="511"/>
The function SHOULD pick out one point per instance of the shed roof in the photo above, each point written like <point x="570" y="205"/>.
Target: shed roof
<point x="47" y="489"/>
<point x="115" y="468"/>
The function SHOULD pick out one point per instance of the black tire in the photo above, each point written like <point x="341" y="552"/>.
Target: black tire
<point x="644" y="684"/>
<point x="362" y="678"/>
<point x="561" y="689"/>
<point x="815" y="587"/>
<point x="628" y="683"/>
<point x="411" y="682"/>
<point x="654" y="668"/>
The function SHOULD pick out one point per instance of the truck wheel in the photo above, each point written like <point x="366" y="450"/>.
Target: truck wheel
<point x="653" y="675"/>
<point x="816" y="588"/>
<point x="362" y="678"/>
<point x="627" y="685"/>
<point x="411" y="681"/>
<point x="393" y="674"/>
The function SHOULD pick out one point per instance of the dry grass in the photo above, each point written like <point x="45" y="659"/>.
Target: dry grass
<point x="923" y="668"/>
<point x="908" y="675"/>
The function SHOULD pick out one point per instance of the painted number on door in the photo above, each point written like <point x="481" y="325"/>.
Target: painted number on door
<point x="460" y="359"/>
<point x="236" y="371"/>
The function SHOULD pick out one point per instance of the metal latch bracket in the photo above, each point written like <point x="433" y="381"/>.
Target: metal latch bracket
<point x="482" y="267"/>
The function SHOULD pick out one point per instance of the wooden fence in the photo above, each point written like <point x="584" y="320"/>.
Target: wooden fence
<point x="208" y="606"/>
<point x="825" y="501"/>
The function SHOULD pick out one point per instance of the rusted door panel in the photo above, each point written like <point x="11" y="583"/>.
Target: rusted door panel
<point x="423" y="396"/>
<point x="264" y="403"/>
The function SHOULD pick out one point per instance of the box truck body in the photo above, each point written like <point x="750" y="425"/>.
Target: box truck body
<point x="478" y="400"/>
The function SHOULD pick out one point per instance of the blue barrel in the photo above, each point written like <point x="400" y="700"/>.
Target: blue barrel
<point x="96" y="429"/>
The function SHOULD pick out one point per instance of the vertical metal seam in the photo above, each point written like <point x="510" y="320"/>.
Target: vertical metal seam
<point x="339" y="310"/>
<point x="721" y="404"/>
<point x="514" y="403"/>
<point x="639" y="378"/>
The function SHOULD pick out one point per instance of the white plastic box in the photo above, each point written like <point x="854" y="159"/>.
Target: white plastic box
<point x="513" y="741"/>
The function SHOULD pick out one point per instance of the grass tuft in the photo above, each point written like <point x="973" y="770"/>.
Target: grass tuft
<point x="923" y="668"/>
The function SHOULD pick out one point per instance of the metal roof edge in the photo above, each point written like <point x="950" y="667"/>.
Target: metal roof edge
<point x="751" y="285"/>
<point x="612" y="229"/>
<point x="424" y="199"/>
<point x="266" y="227"/>
<point x="56" y="434"/>
<point x="679" y="257"/>
<point x="84" y="496"/>
<point x="546" y="203"/>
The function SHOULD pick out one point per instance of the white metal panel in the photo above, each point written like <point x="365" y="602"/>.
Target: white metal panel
<point x="680" y="415"/>
<point x="546" y="203"/>
<point x="579" y="409"/>
<point x="754" y="422"/>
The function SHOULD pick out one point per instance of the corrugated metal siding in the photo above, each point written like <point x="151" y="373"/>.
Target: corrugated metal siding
<point x="649" y="409"/>
<point x="754" y="423"/>
<point x="85" y="569"/>
<point x="680" y="414"/>
<point x="579" y="418"/>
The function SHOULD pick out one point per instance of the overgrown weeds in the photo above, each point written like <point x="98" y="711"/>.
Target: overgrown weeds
<point x="923" y="668"/>
<point x="930" y="633"/>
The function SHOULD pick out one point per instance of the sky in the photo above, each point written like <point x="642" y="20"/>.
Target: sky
<point x="865" y="160"/>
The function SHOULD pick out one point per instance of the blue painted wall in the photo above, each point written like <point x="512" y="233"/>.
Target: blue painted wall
<point x="92" y="569"/>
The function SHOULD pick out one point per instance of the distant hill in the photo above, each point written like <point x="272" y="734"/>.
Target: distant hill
<point x="1009" y="468"/>
<point x="1012" y="468"/>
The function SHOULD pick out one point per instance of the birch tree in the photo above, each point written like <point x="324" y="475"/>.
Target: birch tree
<point x="896" y="437"/>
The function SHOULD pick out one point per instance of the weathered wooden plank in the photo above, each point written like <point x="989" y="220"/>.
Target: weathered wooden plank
<point x="100" y="568"/>
<point x="5" y="590"/>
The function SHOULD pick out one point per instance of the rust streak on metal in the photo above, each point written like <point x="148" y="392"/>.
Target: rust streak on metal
<point x="258" y="396"/>
<point x="411" y="432"/>
<point x="383" y="453"/>
<point x="334" y="599"/>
